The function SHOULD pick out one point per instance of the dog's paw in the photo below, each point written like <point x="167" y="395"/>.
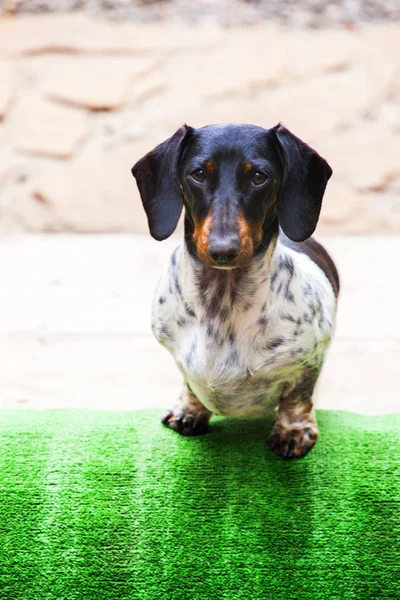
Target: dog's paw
<point x="187" y="422"/>
<point x="293" y="443"/>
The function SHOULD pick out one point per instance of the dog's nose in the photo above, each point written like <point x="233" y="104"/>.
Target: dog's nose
<point x="224" y="250"/>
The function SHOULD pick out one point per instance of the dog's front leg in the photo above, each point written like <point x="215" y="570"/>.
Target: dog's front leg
<point x="295" y="431"/>
<point x="189" y="416"/>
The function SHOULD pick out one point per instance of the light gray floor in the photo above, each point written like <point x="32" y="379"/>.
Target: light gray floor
<point x="75" y="313"/>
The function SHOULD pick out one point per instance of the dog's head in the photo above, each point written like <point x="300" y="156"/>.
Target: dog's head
<point x="236" y="183"/>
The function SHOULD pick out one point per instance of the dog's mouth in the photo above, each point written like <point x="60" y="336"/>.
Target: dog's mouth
<point x="224" y="265"/>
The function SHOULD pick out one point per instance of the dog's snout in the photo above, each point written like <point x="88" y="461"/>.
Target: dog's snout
<point x="224" y="250"/>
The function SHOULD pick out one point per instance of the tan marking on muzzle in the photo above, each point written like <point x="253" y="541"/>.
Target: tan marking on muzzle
<point x="200" y="238"/>
<point x="250" y="237"/>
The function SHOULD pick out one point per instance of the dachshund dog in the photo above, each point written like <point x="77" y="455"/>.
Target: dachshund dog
<point x="247" y="305"/>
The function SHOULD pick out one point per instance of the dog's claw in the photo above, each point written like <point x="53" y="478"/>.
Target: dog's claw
<point x="186" y="423"/>
<point x="292" y="443"/>
<point x="166" y="416"/>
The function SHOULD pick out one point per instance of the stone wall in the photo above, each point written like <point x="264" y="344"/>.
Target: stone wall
<point x="82" y="99"/>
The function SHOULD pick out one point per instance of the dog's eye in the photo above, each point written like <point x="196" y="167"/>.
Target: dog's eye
<point x="198" y="175"/>
<point x="259" y="178"/>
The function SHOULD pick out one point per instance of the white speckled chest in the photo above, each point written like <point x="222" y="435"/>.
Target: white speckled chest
<point x="240" y="343"/>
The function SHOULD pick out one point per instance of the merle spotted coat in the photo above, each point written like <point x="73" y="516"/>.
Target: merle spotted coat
<point x="247" y="304"/>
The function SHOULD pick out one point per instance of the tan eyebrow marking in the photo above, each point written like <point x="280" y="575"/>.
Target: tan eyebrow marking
<point x="250" y="234"/>
<point x="247" y="168"/>
<point x="210" y="167"/>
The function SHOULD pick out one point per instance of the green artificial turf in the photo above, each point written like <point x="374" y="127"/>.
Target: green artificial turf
<point x="107" y="505"/>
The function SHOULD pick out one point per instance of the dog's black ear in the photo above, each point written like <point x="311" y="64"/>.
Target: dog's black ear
<point x="305" y="175"/>
<point x="157" y="179"/>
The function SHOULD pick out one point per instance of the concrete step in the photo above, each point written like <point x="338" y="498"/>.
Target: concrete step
<point x="75" y="324"/>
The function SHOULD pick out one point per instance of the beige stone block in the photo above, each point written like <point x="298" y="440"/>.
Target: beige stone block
<point x="94" y="193"/>
<point x="321" y="105"/>
<point x="367" y="155"/>
<point x="388" y="113"/>
<point x="314" y="93"/>
<point x="226" y="71"/>
<point x="6" y="88"/>
<point x="143" y="89"/>
<point x="347" y="211"/>
<point x="76" y="32"/>
<point x="286" y="58"/>
<point x="364" y="222"/>
<point x="4" y="151"/>
<point x="340" y="204"/>
<point x="380" y="214"/>
<point x="311" y="108"/>
<point x="381" y="40"/>
<point x="289" y="56"/>
<point x="19" y="211"/>
<point x="97" y="83"/>
<point x="44" y="128"/>
<point x="320" y="51"/>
